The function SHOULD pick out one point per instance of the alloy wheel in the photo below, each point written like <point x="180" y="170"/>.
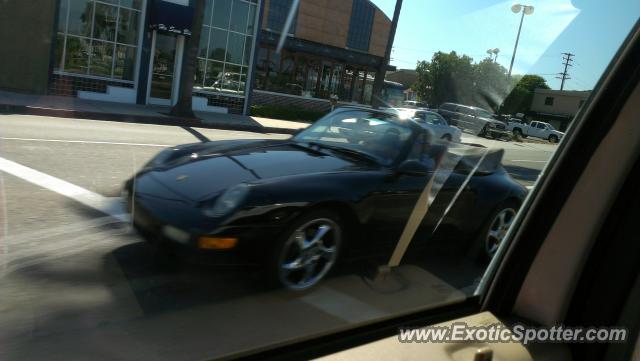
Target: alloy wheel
<point x="309" y="253"/>
<point x="498" y="230"/>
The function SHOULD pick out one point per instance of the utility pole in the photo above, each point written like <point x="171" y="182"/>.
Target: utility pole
<point x="566" y="57"/>
<point x="378" y="83"/>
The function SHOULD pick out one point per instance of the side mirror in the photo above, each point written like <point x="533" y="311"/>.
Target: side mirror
<point x="413" y="167"/>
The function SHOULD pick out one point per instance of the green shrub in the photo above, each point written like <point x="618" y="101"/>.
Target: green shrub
<point x="286" y="112"/>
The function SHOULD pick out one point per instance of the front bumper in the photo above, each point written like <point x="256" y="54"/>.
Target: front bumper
<point x="160" y="223"/>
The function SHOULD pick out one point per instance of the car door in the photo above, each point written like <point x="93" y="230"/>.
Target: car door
<point x="397" y="194"/>
<point x="532" y="129"/>
<point x="541" y="130"/>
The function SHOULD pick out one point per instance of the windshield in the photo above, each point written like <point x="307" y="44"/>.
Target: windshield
<point x="484" y="114"/>
<point x="382" y="137"/>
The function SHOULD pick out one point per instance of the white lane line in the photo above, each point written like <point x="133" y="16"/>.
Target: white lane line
<point x="528" y="160"/>
<point x="86" y="142"/>
<point x="109" y="205"/>
<point x="341" y="305"/>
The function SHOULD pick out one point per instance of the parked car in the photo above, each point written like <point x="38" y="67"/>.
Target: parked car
<point x="477" y="120"/>
<point x="434" y="122"/>
<point x="415" y="104"/>
<point x="340" y="189"/>
<point x="535" y="129"/>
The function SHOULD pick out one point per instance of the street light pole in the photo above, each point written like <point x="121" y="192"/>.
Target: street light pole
<point x="526" y="10"/>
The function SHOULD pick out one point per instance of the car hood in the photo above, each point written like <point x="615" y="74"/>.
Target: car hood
<point x="206" y="169"/>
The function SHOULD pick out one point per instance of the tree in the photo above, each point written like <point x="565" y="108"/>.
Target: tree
<point x="490" y="84"/>
<point x="183" y="107"/>
<point x="446" y="78"/>
<point x="520" y="98"/>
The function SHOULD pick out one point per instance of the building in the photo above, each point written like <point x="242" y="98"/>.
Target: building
<point x="333" y="48"/>
<point x="131" y="51"/>
<point x="557" y="107"/>
<point x="406" y="77"/>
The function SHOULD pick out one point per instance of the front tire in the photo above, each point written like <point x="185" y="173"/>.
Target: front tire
<point x="446" y="137"/>
<point x="307" y="251"/>
<point x="553" y="138"/>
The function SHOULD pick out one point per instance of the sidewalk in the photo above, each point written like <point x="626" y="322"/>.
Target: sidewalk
<point x="70" y="107"/>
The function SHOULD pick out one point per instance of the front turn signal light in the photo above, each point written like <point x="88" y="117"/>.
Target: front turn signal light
<point x="207" y="242"/>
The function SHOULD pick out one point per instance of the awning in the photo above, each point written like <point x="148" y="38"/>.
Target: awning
<point x="171" y="18"/>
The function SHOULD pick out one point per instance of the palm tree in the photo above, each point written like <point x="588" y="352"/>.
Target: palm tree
<point x="183" y="107"/>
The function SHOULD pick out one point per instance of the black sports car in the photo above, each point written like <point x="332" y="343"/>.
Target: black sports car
<point x="344" y="187"/>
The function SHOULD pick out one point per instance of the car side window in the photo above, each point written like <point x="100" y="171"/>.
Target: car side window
<point x="541" y="126"/>
<point x="434" y="119"/>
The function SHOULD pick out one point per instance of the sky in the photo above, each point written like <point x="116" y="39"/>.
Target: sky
<point x="593" y="30"/>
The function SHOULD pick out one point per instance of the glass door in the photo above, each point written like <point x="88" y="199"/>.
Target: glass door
<point x="163" y="69"/>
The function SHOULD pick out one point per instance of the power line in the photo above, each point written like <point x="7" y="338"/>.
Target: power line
<point x="566" y="57"/>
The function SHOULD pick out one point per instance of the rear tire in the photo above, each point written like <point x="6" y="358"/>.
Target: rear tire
<point x="483" y="132"/>
<point x="494" y="230"/>
<point x="517" y="132"/>
<point x="306" y="251"/>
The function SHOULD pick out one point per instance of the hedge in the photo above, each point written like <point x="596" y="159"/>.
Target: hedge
<point x="286" y="112"/>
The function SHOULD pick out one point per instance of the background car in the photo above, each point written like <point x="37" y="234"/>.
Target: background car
<point x="434" y="122"/>
<point x="535" y="129"/>
<point x="477" y="120"/>
<point x="343" y="188"/>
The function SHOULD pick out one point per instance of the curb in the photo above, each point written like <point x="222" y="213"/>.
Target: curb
<point x="142" y="119"/>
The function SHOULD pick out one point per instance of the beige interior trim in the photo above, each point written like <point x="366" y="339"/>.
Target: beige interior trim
<point x="391" y="348"/>
<point x="552" y="278"/>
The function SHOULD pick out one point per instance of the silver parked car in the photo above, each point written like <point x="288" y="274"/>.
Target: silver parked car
<point x="434" y="122"/>
<point x="474" y="119"/>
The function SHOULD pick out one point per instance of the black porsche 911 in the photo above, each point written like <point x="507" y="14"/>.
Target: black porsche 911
<point x="342" y="188"/>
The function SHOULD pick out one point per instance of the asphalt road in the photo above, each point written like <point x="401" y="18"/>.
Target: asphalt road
<point x="75" y="281"/>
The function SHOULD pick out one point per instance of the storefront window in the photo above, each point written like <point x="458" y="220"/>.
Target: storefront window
<point x="98" y="38"/>
<point x="228" y="26"/>
<point x="262" y="65"/>
<point x="368" y="87"/>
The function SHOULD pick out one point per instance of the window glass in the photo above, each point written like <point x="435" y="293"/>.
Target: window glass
<point x="214" y="76"/>
<point x="239" y="14"/>
<point x="92" y="40"/>
<point x="221" y="13"/>
<point x="381" y="137"/>
<point x="80" y="17"/>
<point x="224" y="44"/>
<point x="77" y="55"/>
<point x="101" y="58"/>
<point x="360" y="25"/>
<point x="104" y="26"/>
<point x="136" y="238"/>
<point x="135" y="4"/>
<point x="218" y="45"/>
<point x="235" y="48"/>
<point x="128" y="27"/>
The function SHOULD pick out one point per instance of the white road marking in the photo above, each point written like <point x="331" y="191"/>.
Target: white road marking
<point x="86" y="142"/>
<point x="109" y="205"/>
<point x="530" y="187"/>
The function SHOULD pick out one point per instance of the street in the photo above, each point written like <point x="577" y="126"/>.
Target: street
<point x="75" y="280"/>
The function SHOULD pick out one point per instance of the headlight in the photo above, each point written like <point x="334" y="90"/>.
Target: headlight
<point x="228" y="201"/>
